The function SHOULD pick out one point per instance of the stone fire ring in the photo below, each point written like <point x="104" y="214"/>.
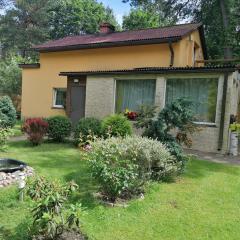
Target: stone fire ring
<point x="13" y="171"/>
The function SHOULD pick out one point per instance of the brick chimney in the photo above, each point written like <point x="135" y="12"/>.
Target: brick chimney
<point x="107" y="28"/>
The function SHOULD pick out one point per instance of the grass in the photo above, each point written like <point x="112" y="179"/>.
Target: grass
<point x="202" y="204"/>
<point x="17" y="129"/>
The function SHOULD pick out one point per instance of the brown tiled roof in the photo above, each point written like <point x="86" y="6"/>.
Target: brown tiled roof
<point x="159" y="70"/>
<point x="143" y="36"/>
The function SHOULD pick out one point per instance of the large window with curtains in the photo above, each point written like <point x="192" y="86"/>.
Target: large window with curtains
<point x="201" y="91"/>
<point x="132" y="94"/>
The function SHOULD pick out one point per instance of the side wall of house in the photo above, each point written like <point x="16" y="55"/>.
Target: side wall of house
<point x="100" y="105"/>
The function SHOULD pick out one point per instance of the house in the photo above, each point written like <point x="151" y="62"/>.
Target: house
<point x="97" y="75"/>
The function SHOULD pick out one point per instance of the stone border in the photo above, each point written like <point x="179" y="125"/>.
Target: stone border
<point x="7" y="179"/>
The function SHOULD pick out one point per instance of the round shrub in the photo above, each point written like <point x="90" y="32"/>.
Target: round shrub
<point x="59" y="128"/>
<point x="87" y="127"/>
<point x="122" y="166"/>
<point x="7" y="109"/>
<point x="116" y="125"/>
<point x="36" y="129"/>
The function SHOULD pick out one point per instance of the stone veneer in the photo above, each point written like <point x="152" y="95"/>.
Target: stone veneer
<point x="100" y="102"/>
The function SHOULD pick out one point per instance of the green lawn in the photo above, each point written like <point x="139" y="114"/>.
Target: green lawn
<point x="203" y="204"/>
<point x="17" y="129"/>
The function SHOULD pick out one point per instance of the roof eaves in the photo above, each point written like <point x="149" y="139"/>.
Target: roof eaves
<point x="163" y="70"/>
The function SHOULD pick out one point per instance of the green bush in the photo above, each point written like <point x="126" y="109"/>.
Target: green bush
<point x="8" y="112"/>
<point x="5" y="133"/>
<point x="123" y="165"/>
<point x="85" y="129"/>
<point x="59" y="128"/>
<point x="116" y="125"/>
<point x="176" y="116"/>
<point x="53" y="215"/>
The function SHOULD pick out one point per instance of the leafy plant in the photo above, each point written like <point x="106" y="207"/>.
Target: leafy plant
<point x="116" y="125"/>
<point x="51" y="215"/>
<point x="7" y="112"/>
<point x="123" y="165"/>
<point x="36" y="129"/>
<point x="59" y="128"/>
<point x="87" y="129"/>
<point x="5" y="133"/>
<point x="176" y="116"/>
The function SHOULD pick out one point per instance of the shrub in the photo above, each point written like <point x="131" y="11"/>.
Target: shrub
<point x="3" y="120"/>
<point x="5" y="133"/>
<point x="116" y="125"/>
<point x="59" y="128"/>
<point x="36" y="129"/>
<point x="85" y="129"/>
<point x="176" y="116"/>
<point x="123" y="165"/>
<point x="52" y="214"/>
<point x="8" y="112"/>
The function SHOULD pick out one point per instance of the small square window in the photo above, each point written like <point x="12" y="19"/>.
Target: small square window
<point x="59" y="97"/>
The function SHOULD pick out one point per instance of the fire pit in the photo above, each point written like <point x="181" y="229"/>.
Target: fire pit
<point x="11" y="165"/>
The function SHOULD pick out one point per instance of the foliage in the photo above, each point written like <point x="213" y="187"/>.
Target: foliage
<point x="140" y="19"/>
<point x="36" y="129"/>
<point x="176" y="116"/>
<point x="5" y="133"/>
<point x="59" y="128"/>
<point x="220" y="19"/>
<point x="124" y="165"/>
<point x="7" y="112"/>
<point x="10" y="76"/>
<point x="145" y="115"/>
<point x="29" y="22"/>
<point x="116" y="125"/>
<point x="76" y="16"/>
<point x="87" y="129"/>
<point x="51" y="216"/>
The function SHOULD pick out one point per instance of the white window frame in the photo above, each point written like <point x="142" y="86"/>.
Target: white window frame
<point x="213" y="124"/>
<point x="55" y="97"/>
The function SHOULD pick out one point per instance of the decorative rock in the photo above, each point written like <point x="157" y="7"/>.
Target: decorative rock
<point x="7" y="179"/>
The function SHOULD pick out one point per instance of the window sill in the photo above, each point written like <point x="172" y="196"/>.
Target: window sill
<point x="203" y="124"/>
<point x="58" y="107"/>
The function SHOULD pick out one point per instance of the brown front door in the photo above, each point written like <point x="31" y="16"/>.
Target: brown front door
<point x="76" y="98"/>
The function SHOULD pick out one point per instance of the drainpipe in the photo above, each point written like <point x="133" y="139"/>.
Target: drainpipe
<point x="223" y="112"/>
<point x="172" y="54"/>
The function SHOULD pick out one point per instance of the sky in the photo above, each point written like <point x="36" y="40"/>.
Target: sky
<point x="119" y="8"/>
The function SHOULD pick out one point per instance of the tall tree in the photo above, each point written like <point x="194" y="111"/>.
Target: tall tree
<point x="78" y="16"/>
<point x="23" y="25"/>
<point x="139" y="18"/>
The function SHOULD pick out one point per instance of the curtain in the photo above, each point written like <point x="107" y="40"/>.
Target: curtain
<point x="201" y="91"/>
<point x="131" y="94"/>
<point x="60" y="97"/>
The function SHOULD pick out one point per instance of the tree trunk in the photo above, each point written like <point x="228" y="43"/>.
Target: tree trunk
<point x="228" y="52"/>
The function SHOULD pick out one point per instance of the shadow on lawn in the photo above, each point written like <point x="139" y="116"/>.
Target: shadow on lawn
<point x="20" y="232"/>
<point x="201" y="168"/>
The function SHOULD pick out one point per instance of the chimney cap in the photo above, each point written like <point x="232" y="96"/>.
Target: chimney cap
<point x="106" y="27"/>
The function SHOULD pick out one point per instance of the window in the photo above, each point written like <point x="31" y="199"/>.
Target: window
<point x="201" y="91"/>
<point x="59" y="97"/>
<point x="131" y="94"/>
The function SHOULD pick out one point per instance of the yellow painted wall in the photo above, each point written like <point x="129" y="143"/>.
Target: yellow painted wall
<point x="38" y="84"/>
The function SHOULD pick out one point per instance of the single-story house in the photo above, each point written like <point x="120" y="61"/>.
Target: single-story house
<point x="104" y="73"/>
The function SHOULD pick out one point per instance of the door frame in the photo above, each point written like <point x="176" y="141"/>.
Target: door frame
<point x="71" y="82"/>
